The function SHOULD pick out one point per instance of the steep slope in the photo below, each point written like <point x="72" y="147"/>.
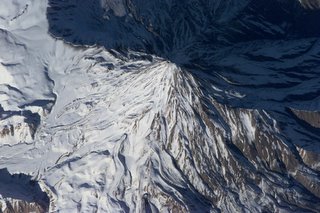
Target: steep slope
<point x="20" y="194"/>
<point x="165" y="106"/>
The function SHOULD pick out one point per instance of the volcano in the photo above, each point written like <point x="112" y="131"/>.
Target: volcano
<point x="160" y="106"/>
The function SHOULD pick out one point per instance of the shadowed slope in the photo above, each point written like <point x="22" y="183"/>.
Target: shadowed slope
<point x="21" y="188"/>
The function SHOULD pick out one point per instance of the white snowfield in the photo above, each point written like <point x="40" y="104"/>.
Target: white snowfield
<point x="105" y="133"/>
<point x="95" y="148"/>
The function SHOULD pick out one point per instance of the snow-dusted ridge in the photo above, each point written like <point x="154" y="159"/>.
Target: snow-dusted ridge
<point x="310" y="4"/>
<point x="144" y="109"/>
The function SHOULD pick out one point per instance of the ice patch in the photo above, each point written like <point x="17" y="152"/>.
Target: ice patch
<point x="248" y="126"/>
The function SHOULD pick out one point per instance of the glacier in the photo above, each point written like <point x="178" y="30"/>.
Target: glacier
<point x="160" y="106"/>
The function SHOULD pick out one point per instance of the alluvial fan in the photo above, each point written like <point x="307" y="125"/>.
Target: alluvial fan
<point x="161" y="106"/>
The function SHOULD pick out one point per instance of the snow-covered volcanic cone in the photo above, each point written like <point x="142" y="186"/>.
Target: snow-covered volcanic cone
<point x="163" y="105"/>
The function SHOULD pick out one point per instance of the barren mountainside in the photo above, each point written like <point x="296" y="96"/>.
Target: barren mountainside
<point x="159" y="106"/>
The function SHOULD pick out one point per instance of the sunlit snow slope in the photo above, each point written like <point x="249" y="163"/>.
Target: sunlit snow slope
<point x="160" y="106"/>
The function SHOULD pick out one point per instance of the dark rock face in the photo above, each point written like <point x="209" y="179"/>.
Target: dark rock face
<point x="22" y="194"/>
<point x="311" y="4"/>
<point x="18" y="206"/>
<point x="311" y="118"/>
<point x="243" y="64"/>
